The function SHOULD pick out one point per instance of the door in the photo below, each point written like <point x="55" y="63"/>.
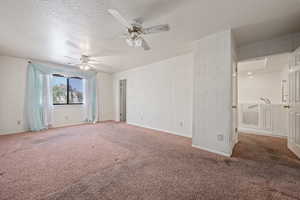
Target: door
<point x="123" y="100"/>
<point x="294" y="104"/>
<point x="234" y="103"/>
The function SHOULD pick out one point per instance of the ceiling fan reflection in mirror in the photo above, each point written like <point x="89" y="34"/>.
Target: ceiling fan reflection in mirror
<point x="135" y="30"/>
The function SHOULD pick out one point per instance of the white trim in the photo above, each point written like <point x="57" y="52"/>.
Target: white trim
<point x="212" y="151"/>
<point x="259" y="132"/>
<point x="295" y="148"/>
<point x="156" y="129"/>
<point x="11" y="132"/>
<point x="68" y="124"/>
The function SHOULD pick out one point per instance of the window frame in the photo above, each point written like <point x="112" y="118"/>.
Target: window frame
<point x="68" y="86"/>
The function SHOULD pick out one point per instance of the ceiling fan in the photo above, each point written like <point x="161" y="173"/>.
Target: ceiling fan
<point x="85" y="62"/>
<point x="135" y="30"/>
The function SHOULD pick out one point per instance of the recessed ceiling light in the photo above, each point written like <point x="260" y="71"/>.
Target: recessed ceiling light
<point x="251" y="77"/>
<point x="250" y="73"/>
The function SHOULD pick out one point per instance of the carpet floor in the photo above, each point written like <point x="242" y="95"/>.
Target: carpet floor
<point x="115" y="161"/>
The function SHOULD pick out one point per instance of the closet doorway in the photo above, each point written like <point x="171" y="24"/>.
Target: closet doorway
<point x="123" y="91"/>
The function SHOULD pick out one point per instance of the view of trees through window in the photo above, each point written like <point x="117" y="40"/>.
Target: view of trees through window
<point x="75" y="90"/>
<point x="67" y="90"/>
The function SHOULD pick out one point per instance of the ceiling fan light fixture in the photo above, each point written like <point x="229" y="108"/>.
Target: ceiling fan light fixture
<point x="130" y="42"/>
<point x="135" y="30"/>
<point x="84" y="66"/>
<point x="138" y="42"/>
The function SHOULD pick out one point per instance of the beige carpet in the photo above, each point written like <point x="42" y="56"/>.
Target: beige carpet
<point x="119" y="162"/>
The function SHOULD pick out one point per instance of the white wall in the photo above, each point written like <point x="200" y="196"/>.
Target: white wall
<point x="66" y="115"/>
<point x="213" y="120"/>
<point x="105" y="91"/>
<point x="159" y="95"/>
<point x="261" y="85"/>
<point x="13" y="87"/>
<point x="12" y="90"/>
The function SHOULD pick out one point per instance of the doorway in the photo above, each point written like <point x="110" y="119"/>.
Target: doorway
<point x="267" y="103"/>
<point x="263" y="94"/>
<point x="123" y="95"/>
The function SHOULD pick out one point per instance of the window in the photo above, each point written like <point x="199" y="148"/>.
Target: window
<point x="59" y="89"/>
<point x="75" y="90"/>
<point x="67" y="90"/>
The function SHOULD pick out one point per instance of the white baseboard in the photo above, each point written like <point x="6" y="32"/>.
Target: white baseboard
<point x="259" y="132"/>
<point x="294" y="148"/>
<point x="68" y="124"/>
<point x="213" y="151"/>
<point x="11" y="132"/>
<point x="156" y="129"/>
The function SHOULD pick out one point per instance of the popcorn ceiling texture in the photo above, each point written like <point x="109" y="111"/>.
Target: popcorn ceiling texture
<point x="70" y="10"/>
<point x="118" y="161"/>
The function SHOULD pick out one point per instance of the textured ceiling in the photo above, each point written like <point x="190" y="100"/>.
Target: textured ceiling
<point x="49" y="30"/>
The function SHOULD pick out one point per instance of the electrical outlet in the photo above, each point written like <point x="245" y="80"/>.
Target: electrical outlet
<point x="19" y="122"/>
<point x="220" y="137"/>
<point x="66" y="117"/>
<point x="181" y="124"/>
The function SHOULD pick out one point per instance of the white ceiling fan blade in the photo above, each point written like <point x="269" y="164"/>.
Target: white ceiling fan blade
<point x="95" y="58"/>
<point x="72" y="44"/>
<point x="119" y="18"/>
<point x="156" y="29"/>
<point x="125" y="35"/>
<point x="145" y="45"/>
<point x="94" y="62"/>
<point x="72" y="58"/>
<point x="74" y="64"/>
<point x="91" y="66"/>
<point x="138" y="21"/>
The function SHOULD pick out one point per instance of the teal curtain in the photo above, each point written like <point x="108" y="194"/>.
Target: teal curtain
<point x="36" y="105"/>
<point x="92" y="105"/>
<point x="34" y="99"/>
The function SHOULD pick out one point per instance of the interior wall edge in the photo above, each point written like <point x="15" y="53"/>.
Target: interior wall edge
<point x="212" y="151"/>
<point x="294" y="148"/>
<point x="212" y="82"/>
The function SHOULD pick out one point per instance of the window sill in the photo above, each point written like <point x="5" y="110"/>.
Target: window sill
<point x="67" y="106"/>
<point x="71" y="104"/>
